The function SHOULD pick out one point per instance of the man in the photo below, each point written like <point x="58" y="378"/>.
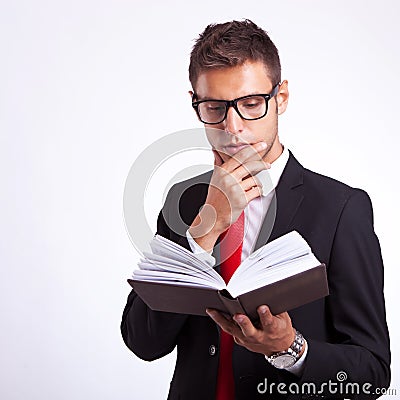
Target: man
<point x="238" y="94"/>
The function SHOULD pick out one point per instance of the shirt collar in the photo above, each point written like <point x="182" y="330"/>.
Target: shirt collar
<point x="269" y="178"/>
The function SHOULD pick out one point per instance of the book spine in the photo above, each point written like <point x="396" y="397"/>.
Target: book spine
<point x="233" y="306"/>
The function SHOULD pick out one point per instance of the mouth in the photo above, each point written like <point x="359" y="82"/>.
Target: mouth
<point x="234" y="148"/>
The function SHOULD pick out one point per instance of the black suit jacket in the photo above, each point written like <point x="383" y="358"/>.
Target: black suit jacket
<point x="345" y="331"/>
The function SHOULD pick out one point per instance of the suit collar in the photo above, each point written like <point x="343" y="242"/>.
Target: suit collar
<point x="285" y="204"/>
<point x="283" y="208"/>
<point x="293" y="173"/>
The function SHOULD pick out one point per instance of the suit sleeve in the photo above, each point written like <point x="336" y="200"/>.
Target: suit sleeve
<point x="355" y="306"/>
<point x="147" y="333"/>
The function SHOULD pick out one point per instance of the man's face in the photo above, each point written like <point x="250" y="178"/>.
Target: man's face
<point x="234" y="132"/>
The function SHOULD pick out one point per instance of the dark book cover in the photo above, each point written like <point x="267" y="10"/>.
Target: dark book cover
<point x="280" y="296"/>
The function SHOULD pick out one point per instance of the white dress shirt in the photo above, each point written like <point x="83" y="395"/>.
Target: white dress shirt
<point x="254" y="216"/>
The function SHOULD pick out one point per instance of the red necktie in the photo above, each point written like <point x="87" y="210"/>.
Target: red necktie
<point x="231" y="255"/>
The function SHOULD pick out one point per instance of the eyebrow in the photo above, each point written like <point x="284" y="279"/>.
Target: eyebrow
<point x="197" y="98"/>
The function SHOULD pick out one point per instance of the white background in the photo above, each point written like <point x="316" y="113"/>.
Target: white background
<point x="85" y="86"/>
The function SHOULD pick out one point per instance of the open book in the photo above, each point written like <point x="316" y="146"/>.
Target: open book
<point x="283" y="274"/>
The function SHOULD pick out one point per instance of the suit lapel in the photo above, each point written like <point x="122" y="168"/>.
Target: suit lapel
<point x="289" y="195"/>
<point x="284" y="206"/>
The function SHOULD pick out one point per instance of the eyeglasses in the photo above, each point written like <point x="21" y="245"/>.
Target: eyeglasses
<point x="254" y="106"/>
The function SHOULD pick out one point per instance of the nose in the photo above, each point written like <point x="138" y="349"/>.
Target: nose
<point x="233" y="122"/>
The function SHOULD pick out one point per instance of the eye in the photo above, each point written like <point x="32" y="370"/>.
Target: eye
<point x="214" y="107"/>
<point x="252" y="103"/>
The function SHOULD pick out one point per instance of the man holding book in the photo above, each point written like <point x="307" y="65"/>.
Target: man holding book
<point x="238" y="94"/>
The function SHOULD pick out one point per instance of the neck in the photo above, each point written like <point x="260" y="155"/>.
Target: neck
<point x="274" y="152"/>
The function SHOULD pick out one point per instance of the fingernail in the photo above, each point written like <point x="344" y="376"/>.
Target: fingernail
<point x="263" y="310"/>
<point x="262" y="145"/>
<point x="238" y="319"/>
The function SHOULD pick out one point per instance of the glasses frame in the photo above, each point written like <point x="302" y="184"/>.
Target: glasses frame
<point x="233" y="103"/>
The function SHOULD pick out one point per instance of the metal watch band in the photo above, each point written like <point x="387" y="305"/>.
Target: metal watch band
<point x="297" y="344"/>
<point x="287" y="358"/>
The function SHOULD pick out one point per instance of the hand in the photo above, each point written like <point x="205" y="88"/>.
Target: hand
<point x="274" y="333"/>
<point x="231" y="188"/>
<point x="233" y="185"/>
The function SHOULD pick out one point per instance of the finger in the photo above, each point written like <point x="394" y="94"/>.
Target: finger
<point x="250" y="168"/>
<point x="217" y="158"/>
<point x="246" y="326"/>
<point x="249" y="183"/>
<point x="284" y="316"/>
<point x="251" y="152"/>
<point x="284" y="319"/>
<point x="227" y="325"/>
<point x="253" y="193"/>
<point x="238" y="341"/>
<point x="266" y="317"/>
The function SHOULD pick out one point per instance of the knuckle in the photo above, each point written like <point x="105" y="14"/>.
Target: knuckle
<point x="257" y="166"/>
<point x="268" y="323"/>
<point x="238" y="341"/>
<point x="274" y="336"/>
<point x="249" y="336"/>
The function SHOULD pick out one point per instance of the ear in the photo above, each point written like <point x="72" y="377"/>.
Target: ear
<point x="191" y="97"/>
<point x="282" y="97"/>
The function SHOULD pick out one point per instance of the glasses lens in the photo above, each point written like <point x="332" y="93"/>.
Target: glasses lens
<point x="252" y="107"/>
<point x="212" y="112"/>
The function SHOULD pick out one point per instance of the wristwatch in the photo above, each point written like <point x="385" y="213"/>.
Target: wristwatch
<point x="287" y="358"/>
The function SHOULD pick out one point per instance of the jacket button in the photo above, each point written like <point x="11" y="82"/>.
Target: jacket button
<point x="212" y="350"/>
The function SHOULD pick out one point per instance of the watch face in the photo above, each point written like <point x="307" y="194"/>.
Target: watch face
<point x="283" y="361"/>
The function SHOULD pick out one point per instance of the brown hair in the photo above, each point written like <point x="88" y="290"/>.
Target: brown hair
<point x="231" y="44"/>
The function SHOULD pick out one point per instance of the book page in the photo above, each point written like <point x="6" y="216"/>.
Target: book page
<point x="288" y="255"/>
<point x="172" y="263"/>
<point x="165" y="277"/>
<point x="167" y="248"/>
